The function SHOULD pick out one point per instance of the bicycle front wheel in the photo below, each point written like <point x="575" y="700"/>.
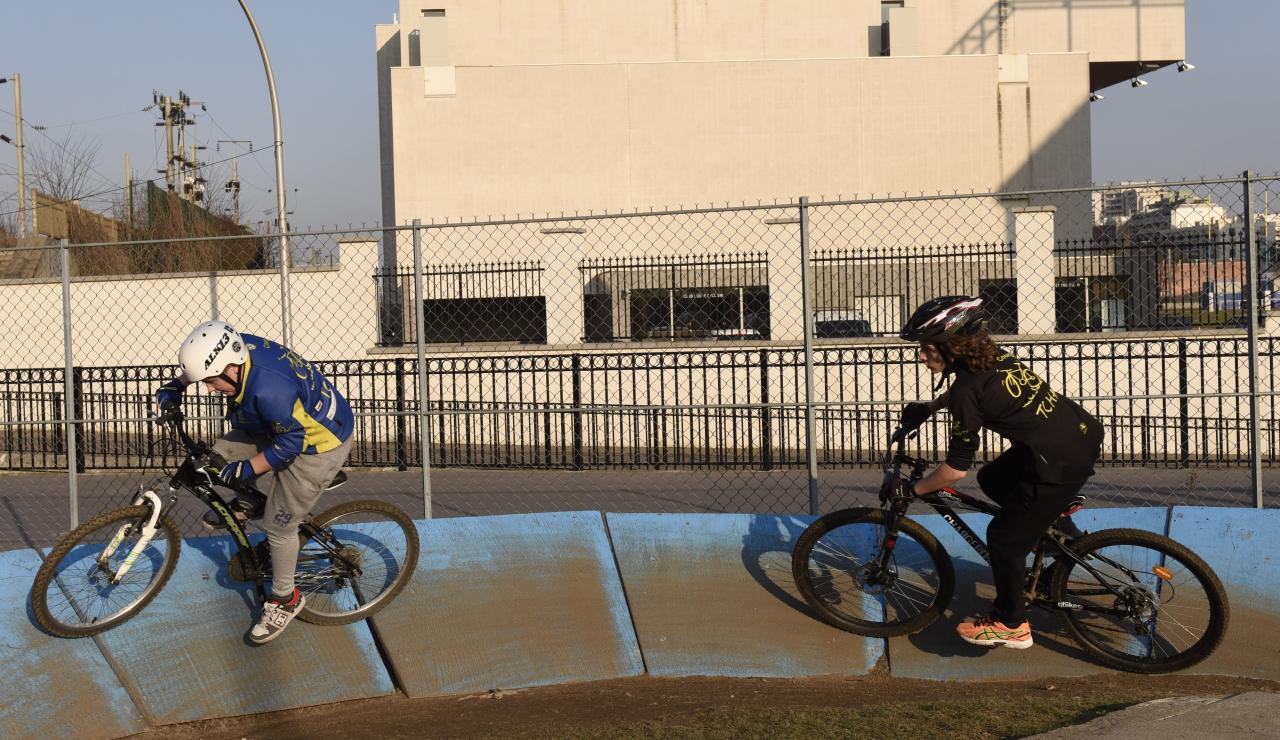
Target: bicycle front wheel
<point x="363" y="556"/>
<point x="840" y="569"/>
<point x="79" y="591"/>
<point x="1140" y="601"/>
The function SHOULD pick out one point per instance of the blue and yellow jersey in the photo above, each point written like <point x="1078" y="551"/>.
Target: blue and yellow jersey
<point x="285" y="398"/>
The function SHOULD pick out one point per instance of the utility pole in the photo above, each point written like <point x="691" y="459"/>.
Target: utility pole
<point x="128" y="193"/>
<point x="17" y="142"/>
<point x="174" y="112"/>
<point x="233" y="185"/>
<point x="193" y="183"/>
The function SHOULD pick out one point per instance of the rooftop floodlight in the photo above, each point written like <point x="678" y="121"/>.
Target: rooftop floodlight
<point x="1185" y="66"/>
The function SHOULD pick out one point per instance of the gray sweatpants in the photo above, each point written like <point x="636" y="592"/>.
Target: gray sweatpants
<point x="292" y="492"/>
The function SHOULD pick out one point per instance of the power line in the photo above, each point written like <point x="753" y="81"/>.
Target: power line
<point x="122" y="187"/>
<point x="251" y="150"/>
<point x="40" y="130"/>
<point x="88" y="120"/>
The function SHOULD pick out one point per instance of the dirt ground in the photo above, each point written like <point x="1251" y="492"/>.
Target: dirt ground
<point x="658" y="705"/>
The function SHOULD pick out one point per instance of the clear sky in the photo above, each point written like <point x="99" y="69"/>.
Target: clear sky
<point x="95" y="65"/>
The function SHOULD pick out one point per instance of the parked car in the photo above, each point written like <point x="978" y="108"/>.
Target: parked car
<point x="839" y="328"/>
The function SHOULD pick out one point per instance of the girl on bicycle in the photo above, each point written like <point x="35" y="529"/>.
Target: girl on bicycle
<point x="1055" y="444"/>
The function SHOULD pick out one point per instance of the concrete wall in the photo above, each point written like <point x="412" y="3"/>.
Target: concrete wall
<point x="506" y="32"/>
<point x="142" y="320"/>
<point x="541" y="139"/>
<point x="581" y="597"/>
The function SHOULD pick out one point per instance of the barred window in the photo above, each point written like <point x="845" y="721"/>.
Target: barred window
<point x="478" y="302"/>
<point x="705" y="297"/>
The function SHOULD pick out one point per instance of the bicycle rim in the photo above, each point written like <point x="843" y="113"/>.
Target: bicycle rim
<point x="76" y="594"/>
<point x="851" y="590"/>
<point x="378" y="551"/>
<point x="1152" y="607"/>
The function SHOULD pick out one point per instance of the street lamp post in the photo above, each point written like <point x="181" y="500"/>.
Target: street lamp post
<point x="280" y="191"/>
<point x="22" y="174"/>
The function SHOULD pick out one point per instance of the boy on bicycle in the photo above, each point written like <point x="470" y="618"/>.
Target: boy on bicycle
<point x="290" y="429"/>
<point x="1055" y="444"/>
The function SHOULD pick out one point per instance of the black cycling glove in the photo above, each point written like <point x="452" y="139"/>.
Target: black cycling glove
<point x="913" y="415"/>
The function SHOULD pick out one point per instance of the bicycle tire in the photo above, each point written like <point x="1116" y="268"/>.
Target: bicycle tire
<point x="63" y="576"/>
<point x="816" y="580"/>
<point x="331" y="595"/>
<point x="1124" y="645"/>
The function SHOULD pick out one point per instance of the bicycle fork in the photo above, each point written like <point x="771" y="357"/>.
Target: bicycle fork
<point x="148" y="532"/>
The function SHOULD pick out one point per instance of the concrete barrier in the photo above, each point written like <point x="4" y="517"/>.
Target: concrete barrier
<point x="938" y="653"/>
<point x="1240" y="546"/>
<point x="527" y="600"/>
<point x="510" y="601"/>
<point x="187" y="656"/>
<point x="712" y="595"/>
<point x="52" y="687"/>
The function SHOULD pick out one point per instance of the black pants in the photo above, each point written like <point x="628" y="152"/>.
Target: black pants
<point x="1027" y="508"/>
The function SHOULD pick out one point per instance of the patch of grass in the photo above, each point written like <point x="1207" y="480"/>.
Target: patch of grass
<point x="986" y="717"/>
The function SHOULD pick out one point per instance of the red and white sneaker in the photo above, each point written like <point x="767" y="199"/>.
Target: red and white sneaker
<point x="988" y="632"/>
<point x="276" y="615"/>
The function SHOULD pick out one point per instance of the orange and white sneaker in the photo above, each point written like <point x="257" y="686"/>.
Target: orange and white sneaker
<point x="988" y="632"/>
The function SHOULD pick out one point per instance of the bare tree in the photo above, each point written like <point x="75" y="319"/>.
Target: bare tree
<point x="63" y="168"/>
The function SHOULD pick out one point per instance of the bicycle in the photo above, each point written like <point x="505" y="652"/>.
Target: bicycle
<point x="1133" y="599"/>
<point x="354" y="559"/>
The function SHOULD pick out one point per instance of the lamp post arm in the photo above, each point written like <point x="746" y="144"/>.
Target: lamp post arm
<point x="280" y="191"/>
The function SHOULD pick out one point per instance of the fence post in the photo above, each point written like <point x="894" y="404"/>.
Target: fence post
<point x="766" y="417"/>
<point x="577" y="411"/>
<point x="1184" y="404"/>
<point x="69" y="391"/>
<point x="77" y="408"/>
<point x="805" y="298"/>
<point x="1251" y="293"/>
<point x="424" y="418"/>
<point x="402" y="421"/>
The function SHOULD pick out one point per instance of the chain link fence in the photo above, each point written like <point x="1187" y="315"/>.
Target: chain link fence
<point x="736" y="359"/>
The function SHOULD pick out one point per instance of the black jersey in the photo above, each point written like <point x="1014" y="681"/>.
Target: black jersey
<point x="1010" y="400"/>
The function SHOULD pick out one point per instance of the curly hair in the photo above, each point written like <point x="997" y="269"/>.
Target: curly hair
<point x="976" y="350"/>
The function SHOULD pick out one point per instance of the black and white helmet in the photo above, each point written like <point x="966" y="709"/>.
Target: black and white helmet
<point x="943" y="318"/>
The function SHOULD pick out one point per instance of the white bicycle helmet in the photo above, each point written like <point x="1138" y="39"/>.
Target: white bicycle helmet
<point x="208" y="349"/>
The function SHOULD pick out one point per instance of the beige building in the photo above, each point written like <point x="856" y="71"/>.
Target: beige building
<point x="493" y="107"/>
<point x="502" y="108"/>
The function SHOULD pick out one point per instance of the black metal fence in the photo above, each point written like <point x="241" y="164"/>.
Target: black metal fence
<point x="704" y="297"/>
<point x="878" y="285"/>
<point x="1166" y="401"/>
<point x="1170" y="282"/>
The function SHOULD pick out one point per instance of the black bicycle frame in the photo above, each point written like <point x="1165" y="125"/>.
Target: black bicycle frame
<point x="942" y="501"/>
<point x="195" y="479"/>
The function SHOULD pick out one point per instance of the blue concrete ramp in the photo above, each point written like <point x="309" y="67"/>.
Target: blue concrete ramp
<point x="712" y="595"/>
<point x="938" y="653"/>
<point x="188" y="657"/>
<point x="1240" y="546"/>
<point x="53" y="687"/>
<point x="510" y="601"/>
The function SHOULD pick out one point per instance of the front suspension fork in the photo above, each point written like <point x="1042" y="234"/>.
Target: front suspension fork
<point x="149" y="530"/>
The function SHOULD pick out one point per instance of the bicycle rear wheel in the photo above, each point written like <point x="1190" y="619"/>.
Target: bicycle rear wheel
<point x="836" y="566"/>
<point x="1149" y="605"/>
<point x="73" y="594"/>
<point x="377" y="550"/>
